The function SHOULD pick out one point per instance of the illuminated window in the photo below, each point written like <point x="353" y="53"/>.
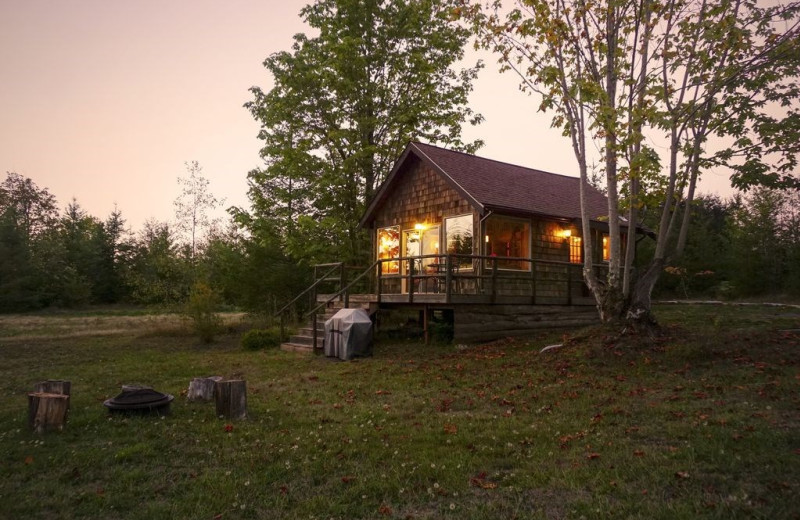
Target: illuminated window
<point x="458" y="233"/>
<point x="606" y="248"/>
<point x="509" y="237"/>
<point x="575" y="249"/>
<point x="389" y="247"/>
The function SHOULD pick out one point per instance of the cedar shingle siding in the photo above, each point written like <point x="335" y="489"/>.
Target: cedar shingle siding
<point x="420" y="195"/>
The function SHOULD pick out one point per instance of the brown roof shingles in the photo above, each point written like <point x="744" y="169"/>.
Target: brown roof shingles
<point x="499" y="185"/>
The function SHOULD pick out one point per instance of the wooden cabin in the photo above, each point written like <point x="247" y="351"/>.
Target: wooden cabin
<point x="456" y="229"/>
<point x="496" y="246"/>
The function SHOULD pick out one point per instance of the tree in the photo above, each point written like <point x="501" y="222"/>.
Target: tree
<point x="158" y="274"/>
<point x="33" y="209"/>
<point x="194" y="204"/>
<point x="343" y="105"/>
<point x="28" y="217"/>
<point x="620" y="75"/>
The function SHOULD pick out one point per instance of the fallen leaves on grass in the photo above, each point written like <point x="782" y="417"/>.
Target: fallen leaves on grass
<point x="450" y="429"/>
<point x="480" y="481"/>
<point x="682" y="474"/>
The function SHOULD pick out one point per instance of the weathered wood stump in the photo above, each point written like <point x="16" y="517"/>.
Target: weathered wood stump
<point x="202" y="388"/>
<point x="231" y="398"/>
<point x="47" y="411"/>
<point x="53" y="386"/>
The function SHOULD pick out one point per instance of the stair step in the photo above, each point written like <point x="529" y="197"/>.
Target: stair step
<point x="306" y="340"/>
<point x="294" y="347"/>
<point x="308" y="331"/>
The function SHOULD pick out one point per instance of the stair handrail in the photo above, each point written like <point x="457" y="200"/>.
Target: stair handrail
<point x="310" y="287"/>
<point x="344" y="290"/>
<point x="313" y="286"/>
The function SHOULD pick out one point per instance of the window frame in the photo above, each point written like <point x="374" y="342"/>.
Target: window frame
<point x="460" y="264"/>
<point x="388" y="268"/>
<point x="526" y="223"/>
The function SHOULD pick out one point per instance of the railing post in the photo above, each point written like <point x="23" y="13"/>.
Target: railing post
<point x="342" y="281"/>
<point x="448" y="278"/>
<point x="494" y="279"/>
<point x="410" y="279"/>
<point x="379" y="279"/>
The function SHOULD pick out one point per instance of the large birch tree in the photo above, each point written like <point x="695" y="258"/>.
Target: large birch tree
<point x="657" y="92"/>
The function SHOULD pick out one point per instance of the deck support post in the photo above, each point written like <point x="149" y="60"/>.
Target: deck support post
<point x="569" y="285"/>
<point x="426" y="320"/>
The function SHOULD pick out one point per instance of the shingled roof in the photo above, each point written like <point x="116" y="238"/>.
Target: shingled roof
<point x="495" y="185"/>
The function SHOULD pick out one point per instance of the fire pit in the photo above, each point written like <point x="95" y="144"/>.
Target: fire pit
<point x="139" y="399"/>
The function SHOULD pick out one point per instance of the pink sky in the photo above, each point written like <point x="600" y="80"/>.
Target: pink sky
<point x="105" y="101"/>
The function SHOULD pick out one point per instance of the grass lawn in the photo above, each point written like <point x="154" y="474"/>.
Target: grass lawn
<point x="702" y="423"/>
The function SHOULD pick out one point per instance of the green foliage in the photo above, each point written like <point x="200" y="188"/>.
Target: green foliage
<point x="259" y="339"/>
<point x="201" y="309"/>
<point x="715" y="81"/>
<point x="345" y="102"/>
<point x="159" y="273"/>
<point x="738" y="248"/>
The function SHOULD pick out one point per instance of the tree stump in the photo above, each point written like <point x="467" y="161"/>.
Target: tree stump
<point x="231" y="398"/>
<point x="53" y="386"/>
<point x="47" y="411"/>
<point x="202" y="388"/>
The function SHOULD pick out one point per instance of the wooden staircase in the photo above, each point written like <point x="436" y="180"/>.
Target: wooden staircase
<point x="303" y="341"/>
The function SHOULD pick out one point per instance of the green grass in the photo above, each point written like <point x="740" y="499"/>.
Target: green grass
<point x="700" y="423"/>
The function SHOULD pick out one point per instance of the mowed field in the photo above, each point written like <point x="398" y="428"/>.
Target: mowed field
<point x="702" y="422"/>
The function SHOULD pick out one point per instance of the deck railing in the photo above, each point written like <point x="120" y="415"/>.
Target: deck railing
<point x="489" y="277"/>
<point x="449" y="278"/>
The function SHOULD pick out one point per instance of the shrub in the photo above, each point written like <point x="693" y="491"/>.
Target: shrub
<point x="256" y="339"/>
<point x="201" y="309"/>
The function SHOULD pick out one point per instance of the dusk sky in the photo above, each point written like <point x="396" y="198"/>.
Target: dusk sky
<point x="106" y="100"/>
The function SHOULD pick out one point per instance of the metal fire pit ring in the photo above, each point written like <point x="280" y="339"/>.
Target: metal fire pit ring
<point x="139" y="399"/>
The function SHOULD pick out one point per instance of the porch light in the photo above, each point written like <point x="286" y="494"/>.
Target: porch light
<point x="566" y="233"/>
<point x="420" y="227"/>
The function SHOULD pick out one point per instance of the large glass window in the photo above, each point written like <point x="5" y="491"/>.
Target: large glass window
<point x="575" y="249"/>
<point x="509" y="237"/>
<point x="458" y="236"/>
<point x="388" y="248"/>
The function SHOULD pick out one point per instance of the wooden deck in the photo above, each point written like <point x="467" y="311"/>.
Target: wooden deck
<point x="486" y="302"/>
